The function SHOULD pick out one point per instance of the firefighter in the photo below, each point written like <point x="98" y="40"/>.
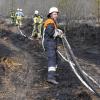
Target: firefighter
<point x="19" y="17"/>
<point x="50" y="34"/>
<point x="37" y="25"/>
<point x="13" y="16"/>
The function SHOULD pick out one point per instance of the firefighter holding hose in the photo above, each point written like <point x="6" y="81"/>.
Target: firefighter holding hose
<point x="50" y="34"/>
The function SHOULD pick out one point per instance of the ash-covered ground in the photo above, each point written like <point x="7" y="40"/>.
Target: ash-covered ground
<point x="23" y="70"/>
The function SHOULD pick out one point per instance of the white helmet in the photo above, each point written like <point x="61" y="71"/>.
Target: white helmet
<point x="21" y="10"/>
<point x="36" y="12"/>
<point x="53" y="9"/>
<point x="18" y="9"/>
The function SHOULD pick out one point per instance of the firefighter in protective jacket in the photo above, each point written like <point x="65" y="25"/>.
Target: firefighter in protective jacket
<point x="50" y="34"/>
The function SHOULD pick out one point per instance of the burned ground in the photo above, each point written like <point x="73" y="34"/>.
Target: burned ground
<point x="23" y="71"/>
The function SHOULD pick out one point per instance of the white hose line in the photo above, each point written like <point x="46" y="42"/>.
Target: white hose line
<point x="24" y="34"/>
<point x="90" y="78"/>
<point x="82" y="70"/>
<point x="64" y="57"/>
<point x="79" y="77"/>
<point x="21" y="32"/>
<point x="75" y="71"/>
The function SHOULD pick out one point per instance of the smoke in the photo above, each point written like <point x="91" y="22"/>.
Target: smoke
<point x="77" y="8"/>
<point x="86" y="7"/>
<point x="28" y="6"/>
<point x="3" y="7"/>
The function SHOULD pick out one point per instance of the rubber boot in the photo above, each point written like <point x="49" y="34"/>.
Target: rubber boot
<point x="51" y="78"/>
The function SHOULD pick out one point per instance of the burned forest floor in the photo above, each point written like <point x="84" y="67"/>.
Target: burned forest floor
<point x="23" y="70"/>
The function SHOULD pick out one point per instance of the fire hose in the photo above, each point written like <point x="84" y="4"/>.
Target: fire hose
<point x="76" y="68"/>
<point x="22" y="34"/>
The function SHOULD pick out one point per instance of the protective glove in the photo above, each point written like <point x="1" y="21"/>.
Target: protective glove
<point x="58" y="32"/>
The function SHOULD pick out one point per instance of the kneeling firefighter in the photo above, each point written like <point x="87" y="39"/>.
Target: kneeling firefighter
<point x="51" y="32"/>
